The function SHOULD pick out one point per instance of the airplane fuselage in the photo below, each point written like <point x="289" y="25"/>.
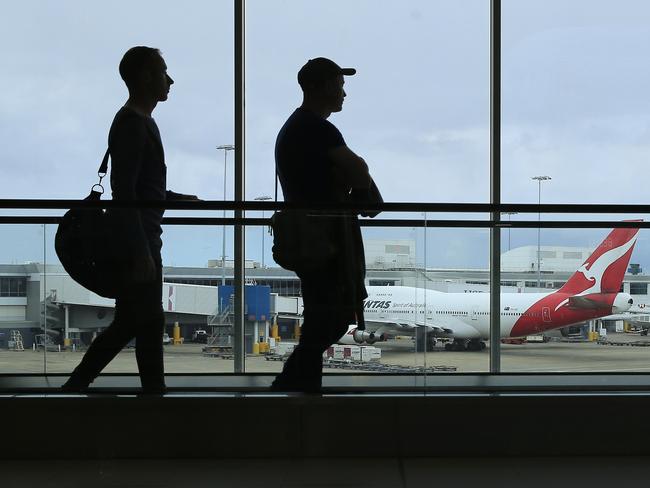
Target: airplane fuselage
<point x="468" y="314"/>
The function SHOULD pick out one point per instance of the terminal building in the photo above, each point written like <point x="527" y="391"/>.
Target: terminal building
<point x="35" y="299"/>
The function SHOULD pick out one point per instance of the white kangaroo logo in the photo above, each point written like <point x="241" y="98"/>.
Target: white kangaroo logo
<point x="595" y="272"/>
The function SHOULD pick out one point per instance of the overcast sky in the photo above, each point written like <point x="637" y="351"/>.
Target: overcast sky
<point x="575" y="103"/>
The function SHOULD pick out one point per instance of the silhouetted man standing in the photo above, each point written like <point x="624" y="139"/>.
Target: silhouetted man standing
<point x="138" y="172"/>
<point x="316" y="166"/>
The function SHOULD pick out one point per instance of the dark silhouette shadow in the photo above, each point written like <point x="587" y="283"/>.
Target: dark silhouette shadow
<point x="138" y="172"/>
<point x="314" y="165"/>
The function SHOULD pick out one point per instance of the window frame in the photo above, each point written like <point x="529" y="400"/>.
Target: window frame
<point x="239" y="206"/>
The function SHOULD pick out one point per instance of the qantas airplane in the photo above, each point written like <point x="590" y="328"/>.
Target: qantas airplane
<point x="593" y="291"/>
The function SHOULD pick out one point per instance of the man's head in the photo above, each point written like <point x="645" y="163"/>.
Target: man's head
<point x="144" y="71"/>
<point x="321" y="80"/>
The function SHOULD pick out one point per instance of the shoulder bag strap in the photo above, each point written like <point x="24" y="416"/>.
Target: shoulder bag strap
<point x="276" y="182"/>
<point x="97" y="189"/>
<point x="104" y="166"/>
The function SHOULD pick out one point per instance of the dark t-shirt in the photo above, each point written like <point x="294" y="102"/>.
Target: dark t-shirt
<point x="305" y="170"/>
<point x="307" y="175"/>
<point x="138" y="172"/>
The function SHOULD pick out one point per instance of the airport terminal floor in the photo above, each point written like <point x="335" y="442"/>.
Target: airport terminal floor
<point x="441" y="472"/>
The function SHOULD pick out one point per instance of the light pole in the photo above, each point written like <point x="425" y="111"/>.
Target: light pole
<point x="225" y="148"/>
<point x="509" y="214"/>
<point x="263" y="198"/>
<point x="539" y="218"/>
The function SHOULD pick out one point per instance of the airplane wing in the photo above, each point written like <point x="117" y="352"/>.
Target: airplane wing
<point x="444" y="327"/>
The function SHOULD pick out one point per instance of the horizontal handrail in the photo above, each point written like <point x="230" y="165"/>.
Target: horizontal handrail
<point x="413" y="207"/>
<point x="377" y="222"/>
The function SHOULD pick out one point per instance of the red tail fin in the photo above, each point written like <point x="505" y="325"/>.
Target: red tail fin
<point x="604" y="270"/>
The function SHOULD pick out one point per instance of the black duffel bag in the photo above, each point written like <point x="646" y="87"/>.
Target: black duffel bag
<point x="304" y="241"/>
<point x="84" y="245"/>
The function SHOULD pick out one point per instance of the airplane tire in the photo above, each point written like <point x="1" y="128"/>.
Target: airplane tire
<point x="449" y="347"/>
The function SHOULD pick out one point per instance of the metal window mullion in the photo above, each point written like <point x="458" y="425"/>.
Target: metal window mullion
<point x="240" y="140"/>
<point x="495" y="185"/>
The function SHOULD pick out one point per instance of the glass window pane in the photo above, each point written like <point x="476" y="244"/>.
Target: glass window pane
<point x="61" y="89"/>
<point x="566" y="313"/>
<point x="198" y="319"/>
<point x="58" y="96"/>
<point x="426" y="311"/>
<point x="22" y="299"/>
<point x="418" y="108"/>
<point x="575" y="105"/>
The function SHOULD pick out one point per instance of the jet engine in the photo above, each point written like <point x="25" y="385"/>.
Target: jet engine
<point x="362" y="336"/>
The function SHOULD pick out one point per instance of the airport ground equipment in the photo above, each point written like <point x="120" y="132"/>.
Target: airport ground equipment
<point x="424" y="340"/>
<point x="284" y="348"/>
<point x="384" y="368"/>
<point x="276" y="357"/>
<point x="44" y="341"/>
<point x="16" y="341"/>
<point x="639" y="343"/>
<point x="352" y="352"/>
<point x="539" y="338"/>
<point x="200" y="336"/>
<point x="464" y="345"/>
<point x="221" y="325"/>
<point x="177" y="340"/>
<point x="221" y="352"/>
<point x="371" y="366"/>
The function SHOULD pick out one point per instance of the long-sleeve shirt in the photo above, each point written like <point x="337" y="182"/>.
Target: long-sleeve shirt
<point x="138" y="172"/>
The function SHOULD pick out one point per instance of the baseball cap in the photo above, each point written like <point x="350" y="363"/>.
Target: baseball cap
<point x="321" y="69"/>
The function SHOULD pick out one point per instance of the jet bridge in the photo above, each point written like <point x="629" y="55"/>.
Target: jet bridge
<point x="72" y="307"/>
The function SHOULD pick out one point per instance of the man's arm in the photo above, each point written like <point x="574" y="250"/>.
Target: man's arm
<point x="172" y="195"/>
<point x="352" y="168"/>
<point x="370" y="195"/>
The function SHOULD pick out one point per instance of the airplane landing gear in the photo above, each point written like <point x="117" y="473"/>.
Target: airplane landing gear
<point x="421" y="338"/>
<point x="465" y="345"/>
<point x="475" y="345"/>
<point x="457" y="345"/>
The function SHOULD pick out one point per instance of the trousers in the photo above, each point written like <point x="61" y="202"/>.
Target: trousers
<point x="326" y="320"/>
<point x="139" y="315"/>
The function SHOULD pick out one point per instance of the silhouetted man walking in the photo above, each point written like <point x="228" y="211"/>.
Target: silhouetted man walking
<point x="315" y="165"/>
<point x="138" y="172"/>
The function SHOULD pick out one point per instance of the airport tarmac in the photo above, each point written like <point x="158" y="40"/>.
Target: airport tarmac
<point x="525" y="358"/>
